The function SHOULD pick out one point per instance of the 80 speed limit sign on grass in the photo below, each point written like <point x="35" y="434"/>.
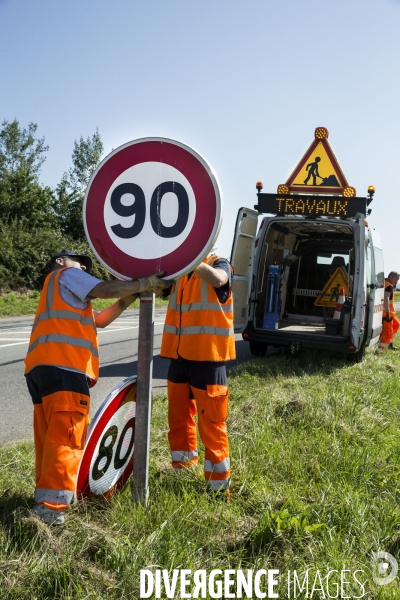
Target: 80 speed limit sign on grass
<point x="152" y="205"/>
<point x="106" y="463"/>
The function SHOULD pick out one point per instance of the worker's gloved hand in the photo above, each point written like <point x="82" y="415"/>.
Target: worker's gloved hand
<point x="387" y="319"/>
<point x="154" y="284"/>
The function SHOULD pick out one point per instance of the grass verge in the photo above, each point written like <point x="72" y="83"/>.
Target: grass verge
<point x="315" y="470"/>
<point x="15" y="304"/>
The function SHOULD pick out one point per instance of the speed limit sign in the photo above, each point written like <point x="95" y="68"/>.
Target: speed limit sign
<point x="106" y="463"/>
<point x="152" y="205"/>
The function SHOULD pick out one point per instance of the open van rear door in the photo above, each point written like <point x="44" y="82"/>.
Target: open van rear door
<point x="242" y="259"/>
<point x="359" y="292"/>
<point x="377" y="288"/>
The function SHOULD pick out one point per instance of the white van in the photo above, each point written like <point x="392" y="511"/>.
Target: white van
<point x="283" y="266"/>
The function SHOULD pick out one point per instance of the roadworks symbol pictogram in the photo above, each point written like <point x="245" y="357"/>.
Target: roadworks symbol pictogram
<point x="319" y="172"/>
<point x="330" y="293"/>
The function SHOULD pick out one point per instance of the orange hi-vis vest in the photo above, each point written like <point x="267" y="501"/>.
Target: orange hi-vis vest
<point x="63" y="336"/>
<point x="197" y="325"/>
<point x="392" y="310"/>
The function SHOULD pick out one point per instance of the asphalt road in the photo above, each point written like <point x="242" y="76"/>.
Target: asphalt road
<point x="118" y="359"/>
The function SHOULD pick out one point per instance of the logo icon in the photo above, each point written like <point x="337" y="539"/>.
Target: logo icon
<point x="384" y="568"/>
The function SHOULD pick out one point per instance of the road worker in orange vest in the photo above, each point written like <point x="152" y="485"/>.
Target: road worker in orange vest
<point x="198" y="338"/>
<point x="61" y="365"/>
<point x="390" y="323"/>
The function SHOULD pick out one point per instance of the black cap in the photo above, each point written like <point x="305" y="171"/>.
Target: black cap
<point x="85" y="260"/>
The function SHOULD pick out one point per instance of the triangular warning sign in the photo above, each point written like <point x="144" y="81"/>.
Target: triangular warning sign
<point x="319" y="172"/>
<point x="330" y="293"/>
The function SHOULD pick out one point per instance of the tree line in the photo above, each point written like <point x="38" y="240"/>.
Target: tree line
<point x="37" y="221"/>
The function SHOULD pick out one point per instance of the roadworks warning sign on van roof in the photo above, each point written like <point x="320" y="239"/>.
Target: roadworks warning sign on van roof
<point x="318" y="172"/>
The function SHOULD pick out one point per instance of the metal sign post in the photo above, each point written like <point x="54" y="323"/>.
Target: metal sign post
<point x="140" y="483"/>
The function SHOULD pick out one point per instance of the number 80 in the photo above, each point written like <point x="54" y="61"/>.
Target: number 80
<point x="107" y="452"/>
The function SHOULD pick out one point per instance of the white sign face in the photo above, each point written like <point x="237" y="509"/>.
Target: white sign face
<point x="152" y="205"/>
<point x="113" y="450"/>
<point x="107" y="459"/>
<point x="137" y="191"/>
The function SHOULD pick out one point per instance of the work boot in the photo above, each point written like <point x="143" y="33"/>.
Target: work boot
<point x="223" y="495"/>
<point x="47" y="515"/>
<point x="391" y="347"/>
<point x="220" y="495"/>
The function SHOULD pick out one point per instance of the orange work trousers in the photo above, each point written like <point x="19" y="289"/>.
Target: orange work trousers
<point x="199" y="387"/>
<point x="389" y="330"/>
<point x="61" y="408"/>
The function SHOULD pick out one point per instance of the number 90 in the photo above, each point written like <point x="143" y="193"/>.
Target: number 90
<point x="138" y="209"/>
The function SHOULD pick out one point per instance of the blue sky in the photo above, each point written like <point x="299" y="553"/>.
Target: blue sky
<point x="244" y="83"/>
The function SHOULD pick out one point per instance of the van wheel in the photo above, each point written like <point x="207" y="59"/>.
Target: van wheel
<point x="358" y="356"/>
<point x="258" y="348"/>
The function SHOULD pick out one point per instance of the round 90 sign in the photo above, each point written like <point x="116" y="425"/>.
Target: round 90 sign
<point x="152" y="205"/>
<point x="107" y="463"/>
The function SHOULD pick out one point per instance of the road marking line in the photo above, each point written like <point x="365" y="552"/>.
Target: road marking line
<point x="109" y="329"/>
<point x="128" y="319"/>
<point x="5" y="331"/>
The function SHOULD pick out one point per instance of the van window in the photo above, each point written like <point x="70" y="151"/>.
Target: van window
<point x="324" y="260"/>
<point x="379" y="273"/>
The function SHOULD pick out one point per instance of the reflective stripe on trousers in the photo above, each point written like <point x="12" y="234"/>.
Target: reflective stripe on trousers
<point x="219" y="484"/>
<point x="217" y="474"/>
<point x="54" y="497"/>
<point x="183" y="456"/>
<point x="381" y="348"/>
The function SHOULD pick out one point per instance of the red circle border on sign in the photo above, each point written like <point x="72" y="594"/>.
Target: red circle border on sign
<point x="205" y="188"/>
<point x="82" y="481"/>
